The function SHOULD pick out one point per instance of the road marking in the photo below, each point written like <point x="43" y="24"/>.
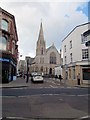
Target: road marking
<point x="82" y="118"/>
<point x="62" y="94"/>
<point x="9" y="96"/>
<point x="53" y="83"/>
<point x="84" y="95"/>
<point x="53" y="86"/>
<point x="18" y="118"/>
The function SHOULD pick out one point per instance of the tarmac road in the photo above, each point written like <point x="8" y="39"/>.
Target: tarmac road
<point x="50" y="100"/>
<point x="45" y="103"/>
<point x="40" y="91"/>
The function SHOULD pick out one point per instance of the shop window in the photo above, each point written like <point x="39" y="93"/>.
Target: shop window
<point x="73" y="73"/>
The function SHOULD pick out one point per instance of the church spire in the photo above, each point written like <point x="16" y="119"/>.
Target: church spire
<point x="41" y="36"/>
<point x="41" y="45"/>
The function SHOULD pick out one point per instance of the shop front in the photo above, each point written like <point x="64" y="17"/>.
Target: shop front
<point x="8" y="68"/>
<point x="86" y="73"/>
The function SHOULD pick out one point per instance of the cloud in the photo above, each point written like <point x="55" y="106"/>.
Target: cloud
<point x="59" y="18"/>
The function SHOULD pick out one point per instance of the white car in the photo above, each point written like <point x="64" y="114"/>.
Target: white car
<point x="37" y="78"/>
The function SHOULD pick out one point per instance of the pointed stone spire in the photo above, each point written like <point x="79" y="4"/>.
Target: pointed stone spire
<point x="41" y="36"/>
<point x="41" y="45"/>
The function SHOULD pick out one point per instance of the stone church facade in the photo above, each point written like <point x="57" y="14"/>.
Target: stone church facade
<point x="46" y="58"/>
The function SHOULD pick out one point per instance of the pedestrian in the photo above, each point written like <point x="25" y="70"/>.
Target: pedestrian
<point x="56" y="76"/>
<point x="78" y="79"/>
<point x="24" y="76"/>
<point x="60" y="77"/>
<point x="27" y="78"/>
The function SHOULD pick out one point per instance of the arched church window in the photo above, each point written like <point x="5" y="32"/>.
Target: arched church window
<point x="52" y="58"/>
<point x="42" y="51"/>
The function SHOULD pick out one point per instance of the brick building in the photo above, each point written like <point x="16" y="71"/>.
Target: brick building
<point x="8" y="46"/>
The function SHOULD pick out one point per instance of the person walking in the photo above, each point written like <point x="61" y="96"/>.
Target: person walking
<point x="78" y="79"/>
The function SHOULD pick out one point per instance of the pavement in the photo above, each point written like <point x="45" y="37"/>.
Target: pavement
<point x="21" y="82"/>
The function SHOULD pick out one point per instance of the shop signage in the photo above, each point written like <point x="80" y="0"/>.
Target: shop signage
<point x="7" y="60"/>
<point x="4" y="60"/>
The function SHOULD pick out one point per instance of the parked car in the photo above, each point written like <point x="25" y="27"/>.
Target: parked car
<point x="19" y="75"/>
<point x="37" y="78"/>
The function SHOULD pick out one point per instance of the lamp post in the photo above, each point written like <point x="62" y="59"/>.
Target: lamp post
<point x="27" y="71"/>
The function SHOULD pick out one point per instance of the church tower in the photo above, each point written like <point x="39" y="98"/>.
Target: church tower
<point x="41" y="45"/>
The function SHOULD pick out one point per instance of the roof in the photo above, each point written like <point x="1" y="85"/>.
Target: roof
<point x="52" y="46"/>
<point x="75" y="28"/>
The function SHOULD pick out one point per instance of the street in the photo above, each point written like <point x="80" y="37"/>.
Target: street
<point x="45" y="100"/>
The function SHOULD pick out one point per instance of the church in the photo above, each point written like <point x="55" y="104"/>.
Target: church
<point x="46" y="59"/>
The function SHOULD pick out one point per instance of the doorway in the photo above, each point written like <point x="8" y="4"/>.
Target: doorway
<point x="50" y="71"/>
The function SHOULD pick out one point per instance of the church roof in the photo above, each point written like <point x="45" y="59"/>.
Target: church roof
<point x="51" y="47"/>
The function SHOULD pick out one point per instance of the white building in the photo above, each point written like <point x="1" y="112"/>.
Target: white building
<point x="76" y="54"/>
<point x="58" y="70"/>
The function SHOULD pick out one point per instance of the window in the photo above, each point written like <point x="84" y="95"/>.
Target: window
<point x="65" y="59"/>
<point x="73" y="72"/>
<point x="52" y="58"/>
<point x="83" y="38"/>
<point x="41" y="60"/>
<point x="13" y="47"/>
<point x="71" y="57"/>
<point x="4" y="25"/>
<point x="42" y="51"/>
<point x="70" y="44"/>
<point x="65" y="48"/>
<point x="84" y="54"/>
<point x="3" y="43"/>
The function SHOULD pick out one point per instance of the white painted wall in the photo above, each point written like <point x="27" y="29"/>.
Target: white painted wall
<point x="58" y="70"/>
<point x="77" y="46"/>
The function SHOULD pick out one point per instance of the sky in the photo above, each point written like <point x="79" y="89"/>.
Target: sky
<point x="58" y="17"/>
